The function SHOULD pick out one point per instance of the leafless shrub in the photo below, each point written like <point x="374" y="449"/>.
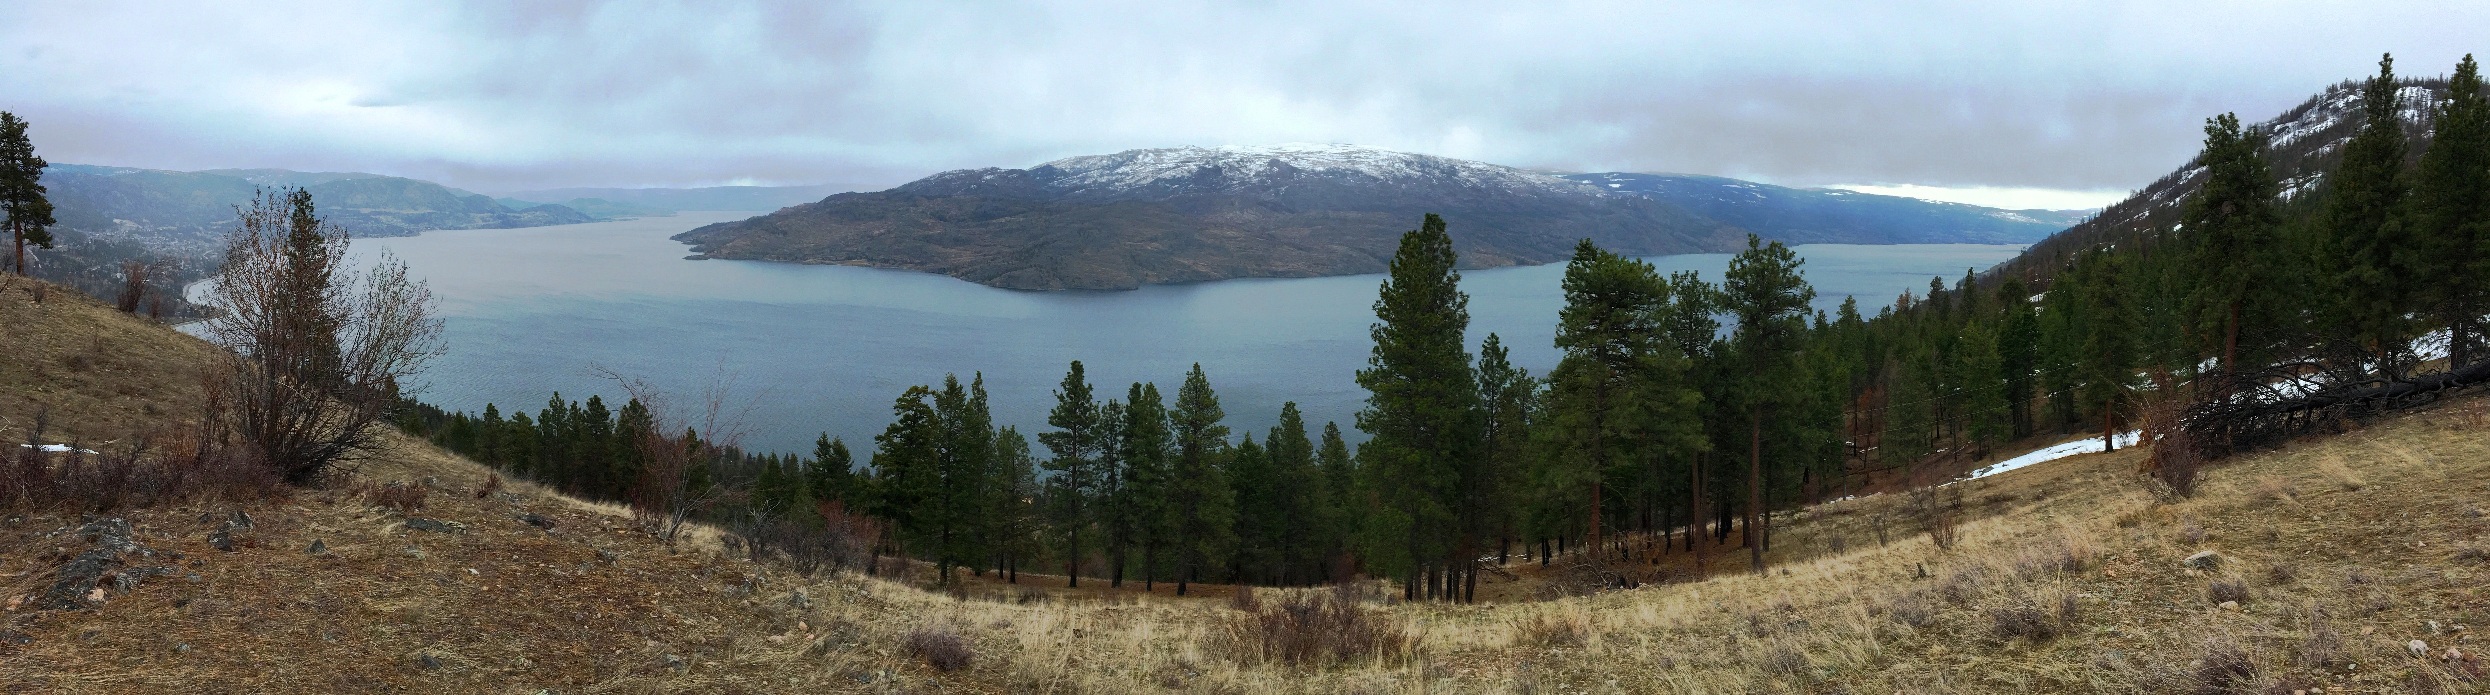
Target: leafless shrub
<point x="1315" y="629"/>
<point x="1550" y="630"/>
<point x="1838" y="544"/>
<point x="940" y="647"/>
<point x="2224" y="669"/>
<point x="318" y="348"/>
<point x="399" y="496"/>
<point x="2322" y="648"/>
<point x="663" y="500"/>
<point x="2192" y="533"/>
<point x="137" y="474"/>
<point x="1961" y="587"/>
<point x="2276" y="490"/>
<point x="2059" y="557"/>
<point x="2281" y="573"/>
<point x="2472" y="556"/>
<point x="1912" y="609"/>
<point x="1244" y="599"/>
<point x="1939" y="511"/>
<point x="2221" y="590"/>
<point x="2177" y="456"/>
<point x="2022" y="619"/>
<point x="492" y="484"/>
<point x="1784" y="660"/>
<point x="133" y="286"/>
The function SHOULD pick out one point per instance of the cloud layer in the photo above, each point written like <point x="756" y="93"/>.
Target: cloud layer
<point x="2080" y="97"/>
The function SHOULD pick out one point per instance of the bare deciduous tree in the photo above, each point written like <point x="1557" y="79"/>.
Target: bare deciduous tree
<point x="319" y="347"/>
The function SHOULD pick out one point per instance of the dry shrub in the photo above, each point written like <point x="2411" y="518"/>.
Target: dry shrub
<point x="2221" y="590"/>
<point x="2022" y="619"/>
<point x="136" y="476"/>
<point x="1784" y="660"/>
<point x="2342" y="475"/>
<point x="492" y="484"/>
<point x="2192" y="533"/>
<point x="2270" y="489"/>
<point x="1939" y="511"/>
<point x="398" y="496"/>
<point x="1912" y="609"/>
<point x="1245" y="600"/>
<point x="940" y="647"/>
<point x="1962" y="587"/>
<point x="2177" y="454"/>
<point x="1315" y="629"/>
<point x="2060" y="557"/>
<point x="2281" y="573"/>
<point x="1550" y="630"/>
<point x="2224" y="669"/>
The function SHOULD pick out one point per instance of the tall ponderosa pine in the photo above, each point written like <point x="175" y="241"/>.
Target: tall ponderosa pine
<point x="1015" y="514"/>
<point x="1768" y="293"/>
<point x="1505" y="393"/>
<point x="1422" y="405"/>
<point x="1344" y="508"/>
<point x="831" y="475"/>
<point x="2105" y="361"/>
<point x="22" y="201"/>
<point x="907" y="469"/>
<point x="1296" y="485"/>
<point x="1612" y="391"/>
<point x="966" y="473"/>
<point x="2368" y="255"/>
<point x="2450" y="215"/>
<point x="1074" y="442"/>
<point x="2233" y="224"/>
<point x="1145" y="445"/>
<point x="1199" y="499"/>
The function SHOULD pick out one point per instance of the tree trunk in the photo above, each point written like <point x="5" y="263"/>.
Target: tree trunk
<point x="1117" y="582"/>
<point x="1072" y="566"/>
<point x="1755" y="487"/>
<point x="1694" y="511"/>
<point x="2109" y="429"/>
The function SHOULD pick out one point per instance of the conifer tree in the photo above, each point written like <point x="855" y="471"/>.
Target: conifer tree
<point x="1504" y="446"/>
<point x="1144" y="444"/>
<point x="1421" y="411"/>
<point x="1616" y="371"/>
<point x="1341" y="511"/>
<point x="2451" y="214"/>
<point x="1015" y="513"/>
<point x="1074" y="442"/>
<point x="2233" y="226"/>
<point x="1198" y="496"/>
<point x="2106" y="364"/>
<point x="2367" y="252"/>
<point x="1255" y="524"/>
<point x="1768" y="293"/>
<point x="1110" y="490"/>
<point x="22" y="201"/>
<point x="831" y="474"/>
<point x="2018" y="353"/>
<point x="1295" y="487"/>
<point x="906" y="469"/>
<point x="964" y="470"/>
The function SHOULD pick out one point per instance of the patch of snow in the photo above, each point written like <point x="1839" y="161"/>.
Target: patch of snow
<point x="2052" y="453"/>
<point x="1181" y="166"/>
<point x="53" y="448"/>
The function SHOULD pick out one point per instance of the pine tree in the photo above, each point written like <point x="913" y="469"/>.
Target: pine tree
<point x="2106" y="363"/>
<point x="1110" y="490"/>
<point x="1074" y="442"/>
<point x="1616" y="368"/>
<point x="22" y="200"/>
<point x="1342" y="509"/>
<point x="831" y="474"/>
<point x="906" y="470"/>
<point x="1768" y="293"/>
<point x="1144" y="445"/>
<point x="1504" y="445"/>
<point x="1422" y="406"/>
<point x="1295" y="487"/>
<point x="2234" y="227"/>
<point x="2367" y="251"/>
<point x="1256" y="522"/>
<point x="1016" y="515"/>
<point x="2451" y="214"/>
<point x="1198" y="494"/>
<point x="593" y="443"/>
<point x="965" y="470"/>
<point x="2018" y="353"/>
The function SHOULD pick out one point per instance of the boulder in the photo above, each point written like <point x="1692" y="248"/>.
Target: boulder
<point x="434" y="525"/>
<point x="537" y="520"/>
<point x="2203" y="560"/>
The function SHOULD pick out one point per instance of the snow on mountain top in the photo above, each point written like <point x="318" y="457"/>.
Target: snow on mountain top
<point x="1179" y="166"/>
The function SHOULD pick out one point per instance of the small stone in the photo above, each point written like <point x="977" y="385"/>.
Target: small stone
<point x="2432" y="625"/>
<point x="2203" y="560"/>
<point x="797" y="600"/>
<point x="415" y="552"/>
<point x="2230" y="605"/>
<point x="240" y="521"/>
<point x="610" y="557"/>
<point x="428" y="663"/>
<point x="673" y="663"/>
<point x="221" y="540"/>
<point x="183" y="648"/>
<point x="2454" y="654"/>
<point x="536" y="520"/>
<point x="318" y="547"/>
<point x="2417" y="647"/>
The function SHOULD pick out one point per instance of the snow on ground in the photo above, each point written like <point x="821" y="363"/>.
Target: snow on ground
<point x="53" y="448"/>
<point x="2052" y="453"/>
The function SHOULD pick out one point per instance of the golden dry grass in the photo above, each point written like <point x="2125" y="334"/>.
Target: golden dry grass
<point x="2348" y="547"/>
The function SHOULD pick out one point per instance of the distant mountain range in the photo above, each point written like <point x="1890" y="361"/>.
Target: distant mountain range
<point x="175" y="210"/>
<point x="669" y="200"/>
<point x="1190" y="214"/>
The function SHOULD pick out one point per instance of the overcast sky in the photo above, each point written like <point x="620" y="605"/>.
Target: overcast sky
<point x="1990" y="101"/>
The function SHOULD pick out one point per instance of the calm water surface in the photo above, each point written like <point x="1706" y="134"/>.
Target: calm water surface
<point x="808" y="349"/>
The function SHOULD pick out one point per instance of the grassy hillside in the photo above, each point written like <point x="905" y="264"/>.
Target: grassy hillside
<point x="2337" y="554"/>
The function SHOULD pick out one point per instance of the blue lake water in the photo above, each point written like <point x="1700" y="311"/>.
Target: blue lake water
<point x="800" y="350"/>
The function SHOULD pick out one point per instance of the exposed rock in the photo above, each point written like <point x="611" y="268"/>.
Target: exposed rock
<point x="610" y="557"/>
<point x="82" y="582"/>
<point x="2229" y="605"/>
<point x="427" y="662"/>
<point x="318" y="547"/>
<point x="2203" y="560"/>
<point x="797" y="600"/>
<point x="537" y="520"/>
<point x="2417" y="647"/>
<point x="434" y="525"/>
<point x="673" y="663"/>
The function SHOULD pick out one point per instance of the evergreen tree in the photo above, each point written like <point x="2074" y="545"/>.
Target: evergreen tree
<point x="1616" y="370"/>
<point x="1198" y="496"/>
<point x="965" y="470"/>
<point x="1074" y="442"/>
<point x="1016" y="515"/>
<point x="1341" y="509"/>
<point x="907" y="470"/>
<point x="2106" y="365"/>
<point x="2234" y="227"/>
<point x="22" y="199"/>
<point x="1110" y="489"/>
<point x="2451" y="214"/>
<point x="1142" y="510"/>
<point x="1504" y="445"/>
<point x="592" y="443"/>
<point x="1768" y="293"/>
<point x="1421" y="411"/>
<point x="2018" y="353"/>
<point x="1255" y="525"/>
<point x="1295" y="486"/>
<point x="2368" y="253"/>
<point x="831" y="474"/>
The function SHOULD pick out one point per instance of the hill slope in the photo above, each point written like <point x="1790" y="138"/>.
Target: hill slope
<point x="2338" y="555"/>
<point x="1191" y="214"/>
<point x="171" y="210"/>
<point x="1829" y="216"/>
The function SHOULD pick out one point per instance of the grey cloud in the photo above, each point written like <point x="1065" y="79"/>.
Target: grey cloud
<point x="499" y="96"/>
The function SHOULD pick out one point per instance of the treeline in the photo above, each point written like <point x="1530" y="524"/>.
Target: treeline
<point x="1682" y="410"/>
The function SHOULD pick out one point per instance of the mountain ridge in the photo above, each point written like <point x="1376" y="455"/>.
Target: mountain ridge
<point x="1189" y="214"/>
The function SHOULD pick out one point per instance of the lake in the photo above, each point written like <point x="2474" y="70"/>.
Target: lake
<point x="805" y="349"/>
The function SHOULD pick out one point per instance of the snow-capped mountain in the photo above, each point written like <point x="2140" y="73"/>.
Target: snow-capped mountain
<point x="1185" y="214"/>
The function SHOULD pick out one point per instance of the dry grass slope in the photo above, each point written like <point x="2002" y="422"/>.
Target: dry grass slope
<point x="2335" y="555"/>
